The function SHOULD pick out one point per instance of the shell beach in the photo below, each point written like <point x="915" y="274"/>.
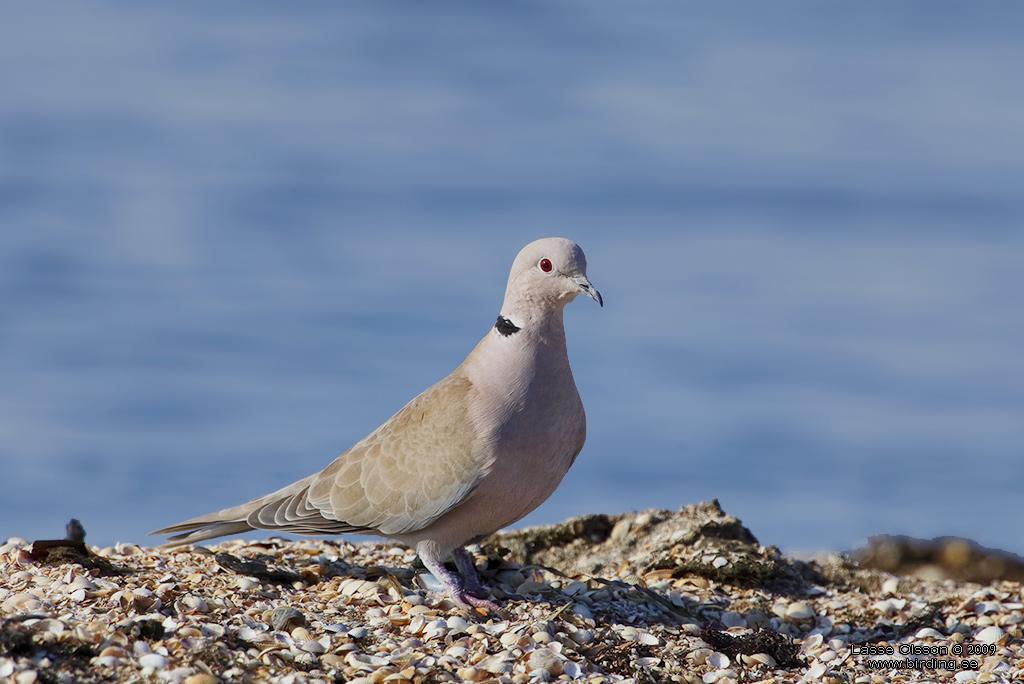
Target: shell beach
<point x="656" y="596"/>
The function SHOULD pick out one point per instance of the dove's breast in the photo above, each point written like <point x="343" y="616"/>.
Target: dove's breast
<point x="530" y="426"/>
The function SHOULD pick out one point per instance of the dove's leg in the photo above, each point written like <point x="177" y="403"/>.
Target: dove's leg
<point x="432" y="559"/>
<point x="470" y="580"/>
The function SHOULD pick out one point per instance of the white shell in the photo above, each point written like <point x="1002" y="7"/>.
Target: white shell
<point x="717" y="660"/>
<point x="989" y="635"/>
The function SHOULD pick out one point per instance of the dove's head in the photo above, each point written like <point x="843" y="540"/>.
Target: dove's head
<point x="549" y="273"/>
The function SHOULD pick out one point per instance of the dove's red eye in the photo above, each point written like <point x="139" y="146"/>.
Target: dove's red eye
<point x="545" y="265"/>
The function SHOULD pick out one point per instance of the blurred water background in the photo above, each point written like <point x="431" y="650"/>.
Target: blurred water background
<point x="235" y="238"/>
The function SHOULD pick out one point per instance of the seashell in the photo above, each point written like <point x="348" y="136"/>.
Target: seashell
<point x="194" y="604"/>
<point x="571" y="669"/>
<point x="81" y="583"/>
<point x="510" y="639"/>
<point x="397" y="678"/>
<point x="252" y="636"/>
<point x="717" y="660"/>
<point x="582" y="636"/>
<point x="202" y="679"/>
<point x="989" y="635"/>
<point x="812" y="643"/>
<point x="890" y="606"/>
<point x="153" y="660"/>
<point x="759" y="659"/>
<point x="422" y="609"/>
<point x="499" y="663"/>
<point x="630" y="633"/>
<point x="497" y="628"/>
<point x="54" y="627"/>
<point x="364" y="660"/>
<point x="333" y="660"/>
<point x="800" y="610"/>
<point x="456" y="652"/>
<point x="313" y="646"/>
<point x="281" y="619"/>
<point x="26" y="603"/>
<point x="816" y="671"/>
<point x="545" y="659"/>
<point x="470" y="674"/>
<point x="575" y="588"/>
<point x="928" y="633"/>
<point x="457" y="624"/>
<point x="436" y="627"/>
<point x="301" y="634"/>
<point x="648" y="639"/>
<point x="212" y="630"/>
<point x="114" y="652"/>
<point x="357" y="632"/>
<point x="246" y="583"/>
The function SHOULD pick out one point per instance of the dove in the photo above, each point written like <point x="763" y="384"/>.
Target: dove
<point x="472" y="454"/>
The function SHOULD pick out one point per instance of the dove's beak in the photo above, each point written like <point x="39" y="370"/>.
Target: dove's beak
<point x="586" y="288"/>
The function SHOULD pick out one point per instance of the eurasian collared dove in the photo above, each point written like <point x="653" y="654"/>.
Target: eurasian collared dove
<point x="470" y="455"/>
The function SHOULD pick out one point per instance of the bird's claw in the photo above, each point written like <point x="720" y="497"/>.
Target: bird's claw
<point x="477" y="603"/>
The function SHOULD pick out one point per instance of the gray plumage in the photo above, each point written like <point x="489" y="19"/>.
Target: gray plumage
<point x="472" y="454"/>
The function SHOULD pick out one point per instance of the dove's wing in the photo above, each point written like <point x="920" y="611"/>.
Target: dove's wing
<point x="403" y="476"/>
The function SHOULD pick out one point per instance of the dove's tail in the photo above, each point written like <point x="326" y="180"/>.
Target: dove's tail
<point x="191" y="532"/>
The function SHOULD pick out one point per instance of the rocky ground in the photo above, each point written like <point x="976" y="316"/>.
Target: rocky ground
<point x="656" y="596"/>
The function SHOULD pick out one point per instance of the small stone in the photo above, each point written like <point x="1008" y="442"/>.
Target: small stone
<point x="731" y="618"/>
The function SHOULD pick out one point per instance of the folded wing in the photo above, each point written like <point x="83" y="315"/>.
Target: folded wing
<point x="419" y="464"/>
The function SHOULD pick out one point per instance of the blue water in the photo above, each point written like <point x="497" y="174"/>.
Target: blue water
<point x="236" y="238"/>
